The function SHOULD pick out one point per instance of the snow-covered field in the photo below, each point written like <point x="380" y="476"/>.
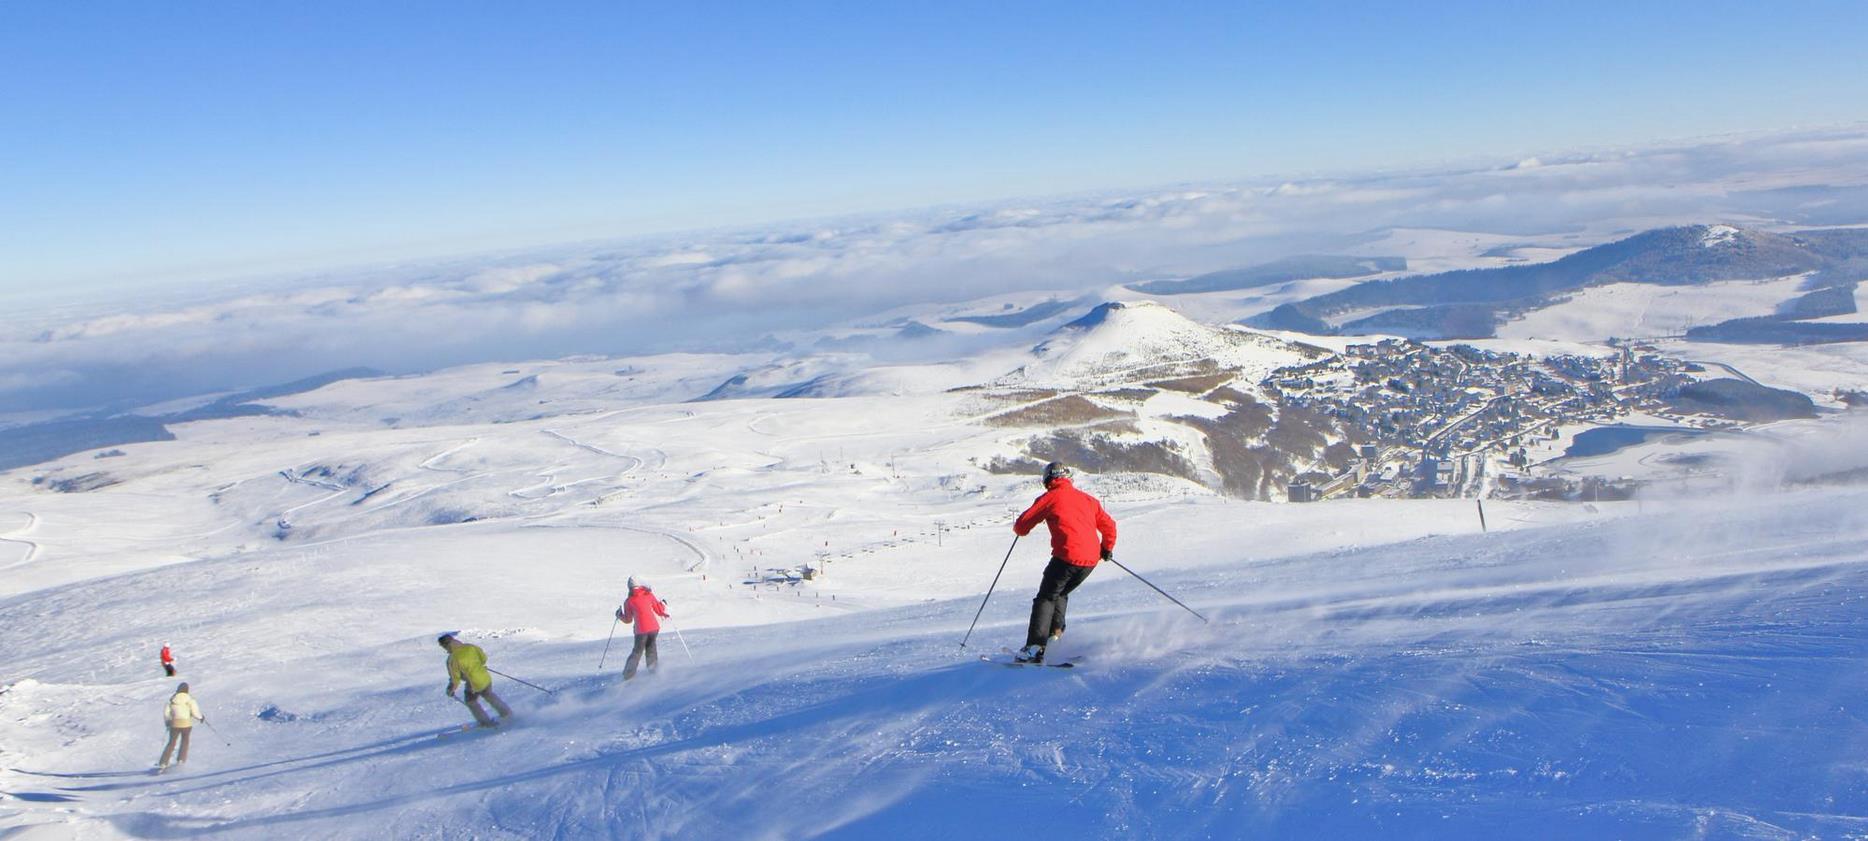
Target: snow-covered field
<point x="1373" y="668"/>
<point x="1634" y="310"/>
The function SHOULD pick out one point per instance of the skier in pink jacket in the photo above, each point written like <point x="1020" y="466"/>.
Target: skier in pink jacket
<point x="642" y="608"/>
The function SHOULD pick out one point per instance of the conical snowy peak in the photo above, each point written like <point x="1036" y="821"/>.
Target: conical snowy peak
<point x="1120" y="341"/>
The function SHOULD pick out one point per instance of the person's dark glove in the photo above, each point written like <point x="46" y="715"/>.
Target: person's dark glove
<point x="1109" y="555"/>
<point x="451" y="693"/>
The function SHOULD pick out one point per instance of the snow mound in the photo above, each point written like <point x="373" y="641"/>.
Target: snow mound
<point x="1716" y="235"/>
<point x="1125" y="341"/>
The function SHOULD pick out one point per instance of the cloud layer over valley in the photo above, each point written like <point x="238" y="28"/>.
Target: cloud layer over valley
<point x="735" y="290"/>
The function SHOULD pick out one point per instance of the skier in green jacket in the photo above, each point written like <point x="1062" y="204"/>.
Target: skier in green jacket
<point x="467" y="665"/>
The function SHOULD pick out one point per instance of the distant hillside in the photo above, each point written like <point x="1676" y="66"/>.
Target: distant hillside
<point x="1744" y="401"/>
<point x="1019" y="318"/>
<point x="1471" y="303"/>
<point x="1278" y="271"/>
<point x="1774" y="331"/>
<point x="1832" y="293"/>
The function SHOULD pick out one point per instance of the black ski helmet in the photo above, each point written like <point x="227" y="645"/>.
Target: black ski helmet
<point x="1057" y="470"/>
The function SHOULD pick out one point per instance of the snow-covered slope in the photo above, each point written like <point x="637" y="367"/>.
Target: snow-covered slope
<point x="1628" y="310"/>
<point x="1687" y="672"/>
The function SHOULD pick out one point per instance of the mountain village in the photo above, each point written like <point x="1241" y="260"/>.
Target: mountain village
<point x="1461" y="421"/>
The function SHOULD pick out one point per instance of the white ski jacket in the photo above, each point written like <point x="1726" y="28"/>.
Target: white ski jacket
<point x="182" y="711"/>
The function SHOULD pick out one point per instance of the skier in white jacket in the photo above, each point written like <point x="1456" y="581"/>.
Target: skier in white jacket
<point x="180" y="715"/>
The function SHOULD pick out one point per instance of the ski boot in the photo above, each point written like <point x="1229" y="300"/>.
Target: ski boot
<point x="1029" y="654"/>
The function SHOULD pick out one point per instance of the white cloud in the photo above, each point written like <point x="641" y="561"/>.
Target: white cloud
<point x="719" y="290"/>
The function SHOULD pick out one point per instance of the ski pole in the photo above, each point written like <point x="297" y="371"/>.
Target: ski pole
<point x="994" y="586"/>
<point x="1158" y="589"/>
<point x="606" y="643"/>
<point x="517" y="680"/>
<point x="217" y="733"/>
<point x="684" y="640"/>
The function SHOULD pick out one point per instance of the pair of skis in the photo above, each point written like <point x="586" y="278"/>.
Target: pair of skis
<point x="1067" y="663"/>
<point x="472" y="728"/>
<point x="1009" y="659"/>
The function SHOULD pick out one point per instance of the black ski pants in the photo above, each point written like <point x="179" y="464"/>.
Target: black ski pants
<point x="645" y="644"/>
<point x="1047" y="609"/>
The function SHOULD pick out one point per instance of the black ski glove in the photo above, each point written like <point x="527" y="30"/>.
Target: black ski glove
<point x="1109" y="555"/>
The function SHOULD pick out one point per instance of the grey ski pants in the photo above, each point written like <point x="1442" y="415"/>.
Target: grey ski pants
<point x="479" y="712"/>
<point x="645" y="644"/>
<point x="177" y="735"/>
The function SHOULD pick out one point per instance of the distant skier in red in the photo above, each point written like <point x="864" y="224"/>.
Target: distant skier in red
<point x="1082" y="534"/>
<point x="168" y="661"/>
<point x="642" y="608"/>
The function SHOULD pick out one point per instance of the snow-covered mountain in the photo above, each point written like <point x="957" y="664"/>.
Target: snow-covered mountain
<point x="1118" y="343"/>
<point x="1724" y="265"/>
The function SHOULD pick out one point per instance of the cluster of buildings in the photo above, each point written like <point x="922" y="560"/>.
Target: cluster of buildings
<point x="1427" y="420"/>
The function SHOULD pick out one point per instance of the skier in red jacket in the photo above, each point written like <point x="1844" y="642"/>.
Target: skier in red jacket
<point x="641" y="608"/>
<point x="168" y="661"/>
<point x="1075" y="520"/>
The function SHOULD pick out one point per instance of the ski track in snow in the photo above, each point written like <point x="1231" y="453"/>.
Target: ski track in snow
<point x="430" y="462"/>
<point x="636" y="462"/>
<point x="30" y="549"/>
<point x="1690" y="672"/>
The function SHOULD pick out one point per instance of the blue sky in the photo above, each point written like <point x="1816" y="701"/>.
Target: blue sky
<point x="159" y="143"/>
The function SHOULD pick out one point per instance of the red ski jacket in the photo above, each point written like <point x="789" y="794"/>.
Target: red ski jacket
<point x="641" y="608"/>
<point x="166" y="656"/>
<point x="1075" y="518"/>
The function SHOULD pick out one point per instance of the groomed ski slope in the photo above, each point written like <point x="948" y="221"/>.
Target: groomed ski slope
<point x="1691" y="670"/>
